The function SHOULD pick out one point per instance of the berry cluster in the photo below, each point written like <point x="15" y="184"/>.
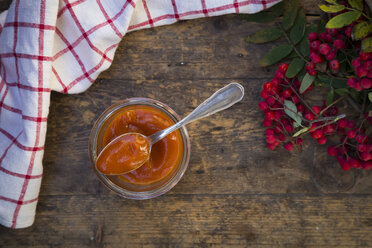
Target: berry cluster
<point x="355" y="148"/>
<point x="280" y="126"/>
<point x="363" y="71"/>
<point x="325" y="47"/>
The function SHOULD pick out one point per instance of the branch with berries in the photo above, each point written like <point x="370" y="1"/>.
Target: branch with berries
<point x="334" y="54"/>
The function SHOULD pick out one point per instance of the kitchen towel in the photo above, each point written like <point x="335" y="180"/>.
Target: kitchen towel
<point x="63" y="45"/>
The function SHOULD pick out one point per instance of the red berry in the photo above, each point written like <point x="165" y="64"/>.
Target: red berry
<point x="322" y="36"/>
<point x="295" y="99"/>
<point x="354" y="163"/>
<point x="360" y="138"/>
<point x="271" y="146"/>
<point x="356" y="62"/>
<point x="335" y="64"/>
<point x="349" y="31"/>
<point x="286" y="93"/>
<point x="271" y="100"/>
<point x="368" y="65"/>
<point x="267" y="123"/>
<point x="299" y="141"/>
<point x="351" y="124"/>
<point x="358" y="86"/>
<point x="288" y="146"/>
<point x="317" y="134"/>
<point x="313" y="36"/>
<point x="312" y="72"/>
<point x="331" y="55"/>
<point x="267" y="86"/>
<point x="270" y="115"/>
<point x="300" y="108"/>
<point x="281" y="137"/>
<point x="264" y="94"/>
<point x="332" y="151"/>
<point x="310" y="66"/>
<point x="314" y="45"/>
<point x="279" y="74"/>
<point x="324" y="49"/>
<point x="328" y="129"/>
<point x="317" y="59"/>
<point x="269" y="132"/>
<point x="342" y="123"/>
<point x="338" y="44"/>
<point x="316" y="109"/>
<point x="364" y="56"/>
<point x="366" y="83"/>
<point x="343" y="163"/>
<point x="283" y="67"/>
<point x="263" y="105"/>
<point x="351" y="134"/>
<point x="270" y="139"/>
<point x="351" y="82"/>
<point x="309" y="116"/>
<point x="361" y="72"/>
<point x="322" y="140"/>
<point x="332" y="31"/>
<point x="365" y="156"/>
<point x="288" y="128"/>
<point x="367" y="165"/>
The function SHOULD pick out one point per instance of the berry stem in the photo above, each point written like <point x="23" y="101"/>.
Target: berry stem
<point x="301" y="99"/>
<point x="364" y="105"/>
<point x="361" y="12"/>
<point x="330" y="105"/>
<point x="353" y="104"/>
<point x="334" y="119"/>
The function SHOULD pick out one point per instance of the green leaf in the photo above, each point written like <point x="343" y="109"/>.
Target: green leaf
<point x="342" y="91"/>
<point x="306" y="82"/>
<point x="331" y="1"/>
<point x="290" y="13"/>
<point x="370" y="96"/>
<point x="264" y="35"/>
<point x="361" y="30"/>
<point x="294" y="67"/>
<point x="298" y="29"/>
<point x="336" y="83"/>
<point x="276" y="54"/>
<point x="260" y="17"/>
<point x="292" y="55"/>
<point x="301" y="131"/>
<point x="356" y="4"/>
<point x="304" y="44"/>
<point x="277" y="9"/>
<point x="343" y="19"/>
<point x="330" y="97"/>
<point x="331" y="8"/>
<point x="291" y="110"/>
<point x="367" y="45"/>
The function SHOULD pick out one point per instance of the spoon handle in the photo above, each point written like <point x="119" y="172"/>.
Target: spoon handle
<point x="220" y="100"/>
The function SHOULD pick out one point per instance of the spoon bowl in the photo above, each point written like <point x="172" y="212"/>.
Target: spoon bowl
<point x="130" y="151"/>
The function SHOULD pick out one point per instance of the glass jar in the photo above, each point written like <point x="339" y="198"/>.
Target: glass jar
<point x="120" y="186"/>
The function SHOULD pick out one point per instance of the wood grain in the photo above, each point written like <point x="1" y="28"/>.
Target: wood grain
<point x="235" y="193"/>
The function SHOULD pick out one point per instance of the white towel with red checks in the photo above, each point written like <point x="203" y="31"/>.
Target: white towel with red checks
<point x="63" y="45"/>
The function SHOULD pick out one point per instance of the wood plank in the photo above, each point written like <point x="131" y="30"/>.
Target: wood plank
<point x="292" y="220"/>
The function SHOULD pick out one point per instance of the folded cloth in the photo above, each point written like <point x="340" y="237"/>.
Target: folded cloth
<point x="63" y="45"/>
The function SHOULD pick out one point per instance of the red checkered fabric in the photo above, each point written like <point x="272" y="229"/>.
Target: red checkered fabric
<point x="63" y="45"/>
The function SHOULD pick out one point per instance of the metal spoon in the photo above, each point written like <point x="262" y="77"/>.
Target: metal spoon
<point x="220" y="100"/>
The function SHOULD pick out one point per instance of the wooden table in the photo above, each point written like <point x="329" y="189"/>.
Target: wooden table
<point x="235" y="193"/>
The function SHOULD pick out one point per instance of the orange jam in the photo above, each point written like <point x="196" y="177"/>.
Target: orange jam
<point x="166" y="154"/>
<point x="123" y="154"/>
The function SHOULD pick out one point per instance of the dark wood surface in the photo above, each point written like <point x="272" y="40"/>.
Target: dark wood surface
<point x="235" y="193"/>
